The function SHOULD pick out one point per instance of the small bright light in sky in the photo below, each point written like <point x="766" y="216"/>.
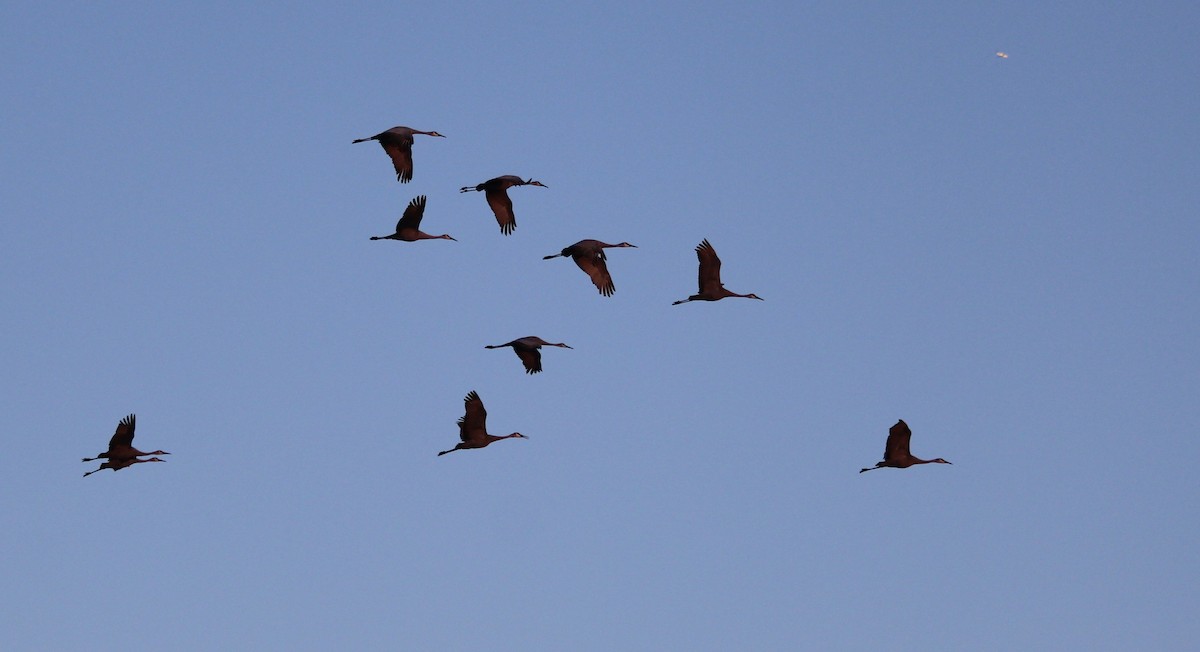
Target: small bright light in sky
<point x="1002" y="55"/>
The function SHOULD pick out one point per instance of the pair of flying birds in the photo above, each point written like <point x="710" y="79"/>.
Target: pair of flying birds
<point x="473" y="433"/>
<point x="121" y="453"/>
<point x="472" y="430"/>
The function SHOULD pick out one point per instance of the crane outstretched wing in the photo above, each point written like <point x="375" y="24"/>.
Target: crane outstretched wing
<point x="710" y="268"/>
<point x="124" y="434"/>
<point x="592" y="263"/>
<point x="399" y="149"/>
<point x="502" y="207"/>
<point x="530" y="357"/>
<point x="473" y="424"/>
<point x="412" y="215"/>
<point x="897" y="441"/>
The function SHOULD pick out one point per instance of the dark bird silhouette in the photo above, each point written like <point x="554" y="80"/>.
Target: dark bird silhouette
<point x="496" y="192"/>
<point x="896" y="454"/>
<point x="589" y="255"/>
<point x="120" y="447"/>
<point x="472" y="427"/>
<point x="526" y="349"/>
<point x="711" y="288"/>
<point x="408" y="228"/>
<point x="397" y="142"/>
<point x="117" y="465"/>
<point x="121" y="453"/>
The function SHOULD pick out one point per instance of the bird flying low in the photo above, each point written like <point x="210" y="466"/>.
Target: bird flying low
<point x="408" y="228"/>
<point x="589" y="256"/>
<point x="472" y="427"/>
<point x="526" y="349"/>
<point x="397" y="142"/>
<point x="121" y="453"/>
<point x="496" y="193"/>
<point x="711" y="288"/>
<point x="896" y="454"/>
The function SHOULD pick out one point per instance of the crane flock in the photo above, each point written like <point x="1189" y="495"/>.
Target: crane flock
<point x="588" y="255"/>
<point x="711" y="288"/>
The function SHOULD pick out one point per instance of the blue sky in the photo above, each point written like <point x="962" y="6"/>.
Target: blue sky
<point x="999" y="251"/>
